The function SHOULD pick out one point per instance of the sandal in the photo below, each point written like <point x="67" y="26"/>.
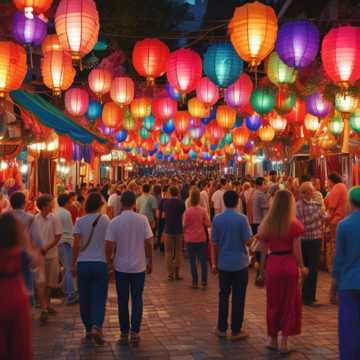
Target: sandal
<point x="97" y="336"/>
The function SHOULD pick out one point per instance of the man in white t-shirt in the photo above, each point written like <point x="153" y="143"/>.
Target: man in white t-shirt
<point x="113" y="202"/>
<point x="131" y="235"/>
<point x="218" y="198"/>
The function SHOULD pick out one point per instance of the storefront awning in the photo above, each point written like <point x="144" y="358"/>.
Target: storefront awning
<point x="52" y="117"/>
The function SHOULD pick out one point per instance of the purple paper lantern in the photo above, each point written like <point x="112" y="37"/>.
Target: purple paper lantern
<point x="253" y="122"/>
<point x="298" y="43"/>
<point x="317" y="105"/>
<point x="28" y="31"/>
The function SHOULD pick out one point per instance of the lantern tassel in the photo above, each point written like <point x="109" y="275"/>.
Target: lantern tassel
<point x="346" y="135"/>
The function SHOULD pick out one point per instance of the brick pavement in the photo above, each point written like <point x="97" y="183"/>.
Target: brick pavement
<point x="178" y="325"/>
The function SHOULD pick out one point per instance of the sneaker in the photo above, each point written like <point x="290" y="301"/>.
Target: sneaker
<point x="220" y="334"/>
<point x="51" y="311"/>
<point x="44" y="317"/>
<point x="242" y="335"/>
<point x="124" y="339"/>
<point x="97" y="336"/>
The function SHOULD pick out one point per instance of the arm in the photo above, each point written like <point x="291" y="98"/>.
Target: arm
<point x="214" y="257"/>
<point x="298" y="252"/>
<point x="149" y="254"/>
<point x="109" y="250"/>
<point x="52" y="244"/>
<point x="75" y="253"/>
<point x="340" y="255"/>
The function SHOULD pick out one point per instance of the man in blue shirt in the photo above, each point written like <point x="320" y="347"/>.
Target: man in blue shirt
<point x="231" y="233"/>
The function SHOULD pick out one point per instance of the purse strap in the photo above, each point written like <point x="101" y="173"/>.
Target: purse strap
<point x="86" y="245"/>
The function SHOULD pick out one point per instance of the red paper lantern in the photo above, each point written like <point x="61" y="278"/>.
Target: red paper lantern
<point x="65" y="148"/>
<point x="297" y="113"/>
<point x="214" y="132"/>
<point x="112" y="115"/>
<point x="38" y="6"/>
<point x="149" y="58"/>
<point x="207" y="92"/>
<point x="238" y="94"/>
<point x="76" y="101"/>
<point x="182" y="121"/>
<point x="99" y="81"/>
<point x="184" y="69"/>
<point x="340" y="54"/>
<point x="122" y="90"/>
<point x="164" y="108"/>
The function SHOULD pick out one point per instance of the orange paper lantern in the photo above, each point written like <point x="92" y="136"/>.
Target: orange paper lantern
<point x="38" y="6"/>
<point x="140" y="108"/>
<point x="182" y="122"/>
<point x="240" y="136"/>
<point x="198" y="109"/>
<point x="51" y="42"/>
<point x="99" y="81"/>
<point x="122" y="90"/>
<point x="225" y="116"/>
<point x="112" y="115"/>
<point x="266" y="133"/>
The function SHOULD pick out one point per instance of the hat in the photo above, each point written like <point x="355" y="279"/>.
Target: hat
<point x="354" y="196"/>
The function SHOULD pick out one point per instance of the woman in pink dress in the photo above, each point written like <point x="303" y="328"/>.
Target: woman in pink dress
<point x="279" y="234"/>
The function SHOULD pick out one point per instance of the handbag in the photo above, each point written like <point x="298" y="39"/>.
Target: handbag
<point x="86" y="245"/>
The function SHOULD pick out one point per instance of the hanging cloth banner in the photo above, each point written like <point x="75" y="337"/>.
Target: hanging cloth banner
<point x="54" y="118"/>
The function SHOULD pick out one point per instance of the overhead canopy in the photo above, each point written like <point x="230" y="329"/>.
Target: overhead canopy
<point x="52" y="117"/>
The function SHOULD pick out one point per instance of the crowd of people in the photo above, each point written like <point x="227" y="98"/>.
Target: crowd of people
<point x="279" y="225"/>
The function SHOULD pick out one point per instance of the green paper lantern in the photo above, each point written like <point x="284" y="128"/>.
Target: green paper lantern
<point x="262" y="101"/>
<point x="228" y="138"/>
<point x="221" y="144"/>
<point x="129" y="123"/>
<point x="164" y="139"/>
<point x="278" y="72"/>
<point x="336" y="125"/>
<point x="144" y="134"/>
<point x="354" y="121"/>
<point x="186" y="141"/>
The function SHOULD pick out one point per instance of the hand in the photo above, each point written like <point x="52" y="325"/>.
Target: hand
<point x="214" y="269"/>
<point x="149" y="268"/>
<point x="73" y="270"/>
<point x="305" y="271"/>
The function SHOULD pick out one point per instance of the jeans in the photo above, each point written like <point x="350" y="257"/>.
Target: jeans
<point x="311" y="250"/>
<point x="65" y="255"/>
<point x="235" y="282"/>
<point x="198" y="251"/>
<point x="92" y="277"/>
<point x="173" y="253"/>
<point x="126" y="284"/>
<point x="349" y="324"/>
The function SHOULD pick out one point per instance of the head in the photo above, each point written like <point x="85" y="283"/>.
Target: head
<point x="72" y="197"/>
<point x="128" y="200"/>
<point x="11" y="231"/>
<point x="157" y="190"/>
<point x="354" y="198"/>
<point x="194" y="196"/>
<point x="231" y="199"/>
<point x="174" y="192"/>
<point x="94" y="203"/>
<point x="45" y="204"/>
<point x="63" y="200"/>
<point x="273" y="175"/>
<point x="223" y="183"/>
<point x="281" y="214"/>
<point x="246" y="186"/>
<point x="307" y="190"/>
<point x="146" y="188"/>
<point x="17" y="200"/>
<point x="113" y="189"/>
<point x="260" y="183"/>
<point x="333" y="179"/>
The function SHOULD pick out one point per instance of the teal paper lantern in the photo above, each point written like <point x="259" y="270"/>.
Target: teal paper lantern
<point x="354" y="121"/>
<point x="262" y="101"/>
<point x="94" y="111"/>
<point x="144" y="134"/>
<point x="228" y="138"/>
<point x="164" y="139"/>
<point x="222" y="64"/>
<point x="149" y="122"/>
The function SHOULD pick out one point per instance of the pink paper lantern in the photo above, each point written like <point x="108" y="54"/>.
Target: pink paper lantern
<point x="76" y="101"/>
<point x="238" y="94"/>
<point x="164" y="108"/>
<point x="99" y="81"/>
<point x="207" y="92"/>
<point x="122" y="90"/>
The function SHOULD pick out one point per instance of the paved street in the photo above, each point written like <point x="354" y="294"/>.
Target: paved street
<point x="178" y="325"/>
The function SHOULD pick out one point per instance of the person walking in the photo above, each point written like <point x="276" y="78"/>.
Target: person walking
<point x="146" y="205"/>
<point x="230" y="235"/>
<point x="217" y="198"/>
<point x="346" y="279"/>
<point x="66" y="245"/>
<point x="173" y="209"/>
<point x="311" y="215"/>
<point x="196" y="223"/>
<point x="280" y="234"/>
<point x="15" y="316"/>
<point x="89" y="265"/>
<point x="131" y="235"/>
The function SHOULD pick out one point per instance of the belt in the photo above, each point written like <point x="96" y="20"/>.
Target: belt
<point x="281" y="253"/>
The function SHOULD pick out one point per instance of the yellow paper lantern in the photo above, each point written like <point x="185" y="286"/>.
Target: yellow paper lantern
<point x="197" y="108"/>
<point x="278" y="123"/>
<point x="253" y="30"/>
<point x="226" y="116"/>
<point x="266" y="133"/>
<point x="278" y="72"/>
<point x="311" y="122"/>
<point x="345" y="102"/>
<point x="140" y="108"/>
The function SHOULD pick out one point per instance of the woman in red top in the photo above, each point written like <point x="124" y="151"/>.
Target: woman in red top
<point x="280" y="233"/>
<point x="15" y="320"/>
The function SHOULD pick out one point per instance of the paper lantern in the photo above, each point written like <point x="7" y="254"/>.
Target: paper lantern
<point x="317" y="105"/>
<point x="99" y="81"/>
<point x="164" y="108"/>
<point x="122" y="90"/>
<point x="112" y="115"/>
<point x="94" y="111"/>
<point x="121" y="136"/>
<point x="266" y="133"/>
<point x="240" y="136"/>
<point x="207" y="92"/>
<point x="77" y="26"/>
<point x="278" y="123"/>
<point x="336" y="125"/>
<point x="284" y="100"/>
<point x="298" y="43"/>
<point x="214" y="132"/>
<point x="345" y="102"/>
<point x="238" y="94"/>
<point x="144" y="133"/>
<point x="172" y="92"/>
<point x="184" y="69"/>
<point x="278" y="72"/>
<point x="51" y="42"/>
<point x="262" y="101"/>
<point x="297" y="113"/>
<point x="28" y="31"/>
<point x="354" y="121"/>
<point x="222" y="65"/>
<point x="57" y="70"/>
<point x="197" y="132"/>
<point x="311" y="122"/>
<point x="164" y="139"/>
<point x="140" y="108"/>
<point x="76" y="101"/>
<point x="225" y="116"/>
<point x="253" y="122"/>
<point x="149" y="122"/>
<point x="169" y="127"/>
<point x="253" y="31"/>
<point x="197" y="108"/>
<point x="129" y="123"/>
<point x="182" y="122"/>
<point x="13" y="66"/>
<point x="149" y="58"/>
<point x="29" y="6"/>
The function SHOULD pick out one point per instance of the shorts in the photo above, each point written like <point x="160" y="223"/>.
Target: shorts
<point x="52" y="272"/>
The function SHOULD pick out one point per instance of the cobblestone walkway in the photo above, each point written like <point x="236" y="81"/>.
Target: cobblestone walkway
<point x="178" y="325"/>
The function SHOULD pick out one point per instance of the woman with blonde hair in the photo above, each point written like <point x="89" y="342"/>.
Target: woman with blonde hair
<point x="279" y="234"/>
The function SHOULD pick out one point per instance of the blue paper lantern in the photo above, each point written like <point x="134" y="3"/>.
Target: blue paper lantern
<point x="160" y="156"/>
<point x="213" y="147"/>
<point x="222" y="64"/>
<point x="253" y="122"/>
<point x="169" y="127"/>
<point x="121" y="135"/>
<point x="94" y="111"/>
